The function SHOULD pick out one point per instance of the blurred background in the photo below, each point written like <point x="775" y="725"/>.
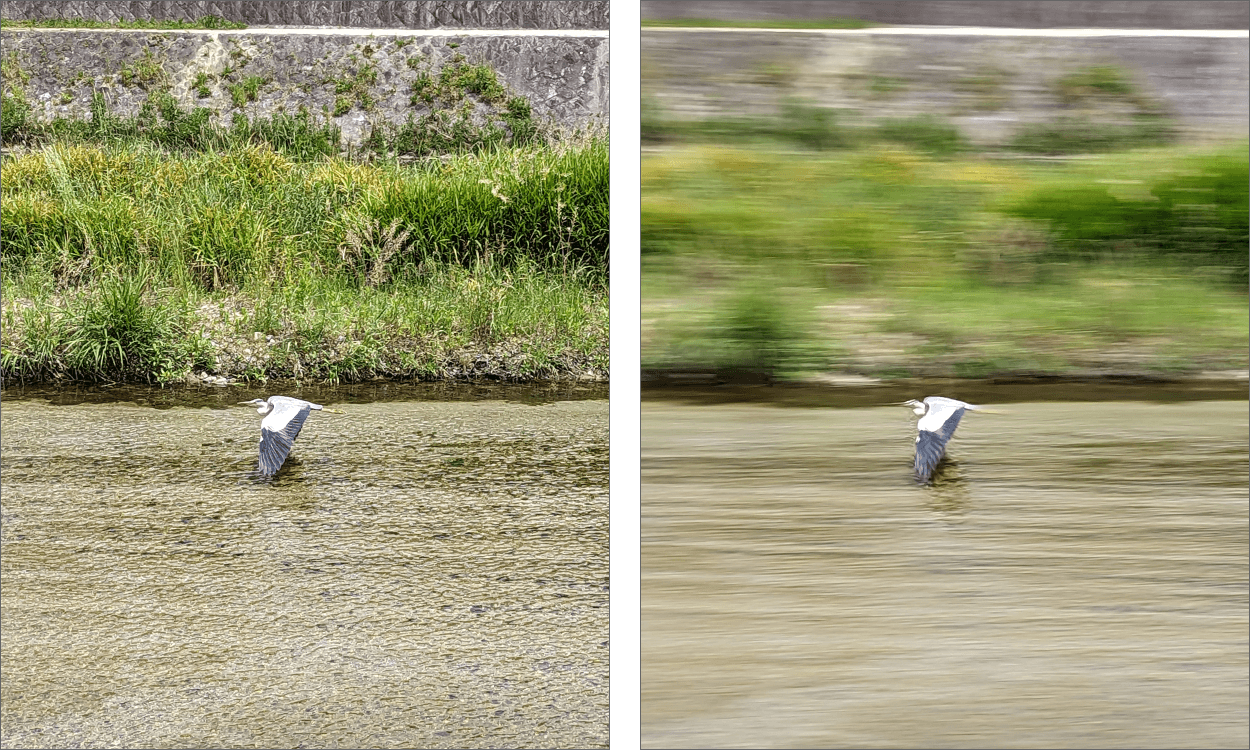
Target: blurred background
<point x="835" y="193"/>
<point x="848" y="204"/>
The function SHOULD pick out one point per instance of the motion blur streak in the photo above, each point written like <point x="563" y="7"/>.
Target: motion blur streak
<point x="1077" y="579"/>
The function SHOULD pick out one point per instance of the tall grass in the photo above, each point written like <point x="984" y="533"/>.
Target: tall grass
<point x="216" y="220"/>
<point x="115" y="255"/>
<point x="892" y="262"/>
<point x="493" y="322"/>
<point x="549" y="207"/>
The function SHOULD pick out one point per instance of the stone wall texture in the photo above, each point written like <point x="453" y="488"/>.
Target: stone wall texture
<point x="988" y="85"/>
<point x="563" y="74"/>
<point x="1026" y="14"/>
<point x="397" y="14"/>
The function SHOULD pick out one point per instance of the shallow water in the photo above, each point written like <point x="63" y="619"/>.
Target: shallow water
<point x="423" y="573"/>
<point x="1078" y="578"/>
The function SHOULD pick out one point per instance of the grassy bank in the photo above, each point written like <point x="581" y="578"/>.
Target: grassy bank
<point x="130" y="261"/>
<point x="887" y="261"/>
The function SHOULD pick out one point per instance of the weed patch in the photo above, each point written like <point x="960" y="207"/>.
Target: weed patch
<point x="246" y="90"/>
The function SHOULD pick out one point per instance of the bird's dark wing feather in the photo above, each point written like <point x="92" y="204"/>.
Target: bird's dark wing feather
<point x="930" y="447"/>
<point x="275" y="445"/>
<point x="948" y="427"/>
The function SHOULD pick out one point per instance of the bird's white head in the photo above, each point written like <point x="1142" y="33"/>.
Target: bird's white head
<point x="262" y="406"/>
<point x="918" y="407"/>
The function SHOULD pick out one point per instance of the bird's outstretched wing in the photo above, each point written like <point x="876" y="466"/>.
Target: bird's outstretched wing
<point x="930" y="447"/>
<point x="278" y="432"/>
<point x="947" y="430"/>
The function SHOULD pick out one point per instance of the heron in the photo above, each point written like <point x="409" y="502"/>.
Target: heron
<point x="278" y="430"/>
<point x="938" y="419"/>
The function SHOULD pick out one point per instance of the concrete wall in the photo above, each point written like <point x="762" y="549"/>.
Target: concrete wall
<point x="564" y="74"/>
<point x="988" y="84"/>
<point x="409" y="14"/>
<point x="1025" y="14"/>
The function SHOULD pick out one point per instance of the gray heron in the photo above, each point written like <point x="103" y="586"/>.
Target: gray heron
<point x="938" y="419"/>
<point x="284" y="419"/>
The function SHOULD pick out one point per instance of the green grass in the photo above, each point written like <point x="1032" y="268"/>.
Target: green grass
<point x="805" y="125"/>
<point x="161" y="122"/>
<point x="469" y="110"/>
<point x="1074" y="135"/>
<point x="1098" y="81"/>
<point x="130" y="262"/>
<point x="785" y="23"/>
<point x="145" y="73"/>
<point x="889" y="262"/>
<point x="458" y="107"/>
<point x="203" y="22"/>
<point x="486" y="322"/>
<point x="799" y="123"/>
<point x="246" y="90"/>
<point x="355" y="90"/>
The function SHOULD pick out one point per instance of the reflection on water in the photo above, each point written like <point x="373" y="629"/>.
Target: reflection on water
<point x="421" y="574"/>
<point x="1077" y="579"/>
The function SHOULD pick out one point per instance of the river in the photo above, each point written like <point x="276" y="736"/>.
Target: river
<point x="430" y="569"/>
<point x="1077" y="579"/>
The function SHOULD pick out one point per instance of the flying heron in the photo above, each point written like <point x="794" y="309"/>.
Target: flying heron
<point x="938" y="419"/>
<point x="279" y="429"/>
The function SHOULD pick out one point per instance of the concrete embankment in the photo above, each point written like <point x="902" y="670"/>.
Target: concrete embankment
<point x="355" y="78"/>
<point x="403" y="14"/>
<point x="1022" y="14"/>
<point x="989" y="82"/>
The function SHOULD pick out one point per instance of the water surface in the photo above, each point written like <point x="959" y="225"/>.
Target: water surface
<point x="425" y="572"/>
<point x="1079" y="578"/>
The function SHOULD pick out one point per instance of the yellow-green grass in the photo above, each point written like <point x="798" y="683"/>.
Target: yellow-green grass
<point x="487" y="322"/>
<point x="889" y="263"/>
<point x="125" y="262"/>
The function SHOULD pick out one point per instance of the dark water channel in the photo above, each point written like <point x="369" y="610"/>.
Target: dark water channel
<point x="1078" y="580"/>
<point x="429" y="570"/>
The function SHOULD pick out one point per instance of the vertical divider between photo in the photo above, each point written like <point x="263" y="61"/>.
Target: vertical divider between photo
<point x="625" y="311"/>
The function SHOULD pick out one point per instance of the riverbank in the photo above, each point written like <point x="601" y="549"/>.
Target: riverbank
<point x="854" y="392"/>
<point x="884" y="263"/>
<point x="129" y="262"/>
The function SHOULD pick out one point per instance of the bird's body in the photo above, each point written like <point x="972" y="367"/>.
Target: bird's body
<point x="938" y="419"/>
<point x="284" y="419"/>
